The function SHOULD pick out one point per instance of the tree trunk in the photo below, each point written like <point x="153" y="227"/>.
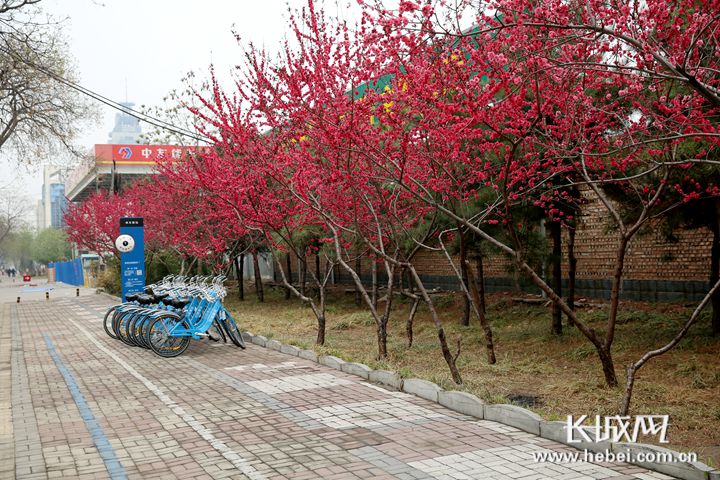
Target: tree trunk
<point x="480" y="280"/>
<point x="320" y="340"/>
<point x="288" y="264"/>
<point x="607" y="365"/>
<point x="715" y="268"/>
<point x="615" y="294"/>
<point x="358" y="267"/>
<point x="409" y="323"/>
<point x="317" y="271"/>
<point x="303" y="275"/>
<point x="556" y="235"/>
<point x="382" y="341"/>
<point x="572" y="264"/>
<point x="517" y="290"/>
<point x="240" y="274"/>
<point x="489" y="344"/>
<point x="258" y="279"/>
<point x="374" y="294"/>
<point x="465" y="318"/>
<point x="449" y="358"/>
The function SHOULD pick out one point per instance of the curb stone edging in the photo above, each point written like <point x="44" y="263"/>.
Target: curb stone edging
<point x="290" y="350"/>
<point x="359" y="369"/>
<point x="422" y="389"/>
<point x="512" y="415"/>
<point x="273" y="345"/>
<point x="259" y="340"/>
<point x="462" y="402"/>
<point x="330" y="361"/>
<point x="387" y="378"/>
<point x="308" y="355"/>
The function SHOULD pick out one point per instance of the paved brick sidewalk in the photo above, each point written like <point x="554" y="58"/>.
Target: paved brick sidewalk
<point x="86" y="406"/>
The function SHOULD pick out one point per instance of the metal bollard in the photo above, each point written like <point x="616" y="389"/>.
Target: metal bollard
<point x="47" y="295"/>
<point x="18" y="300"/>
<point x="77" y="292"/>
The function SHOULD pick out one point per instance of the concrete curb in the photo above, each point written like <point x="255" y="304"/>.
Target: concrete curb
<point x="505" y="414"/>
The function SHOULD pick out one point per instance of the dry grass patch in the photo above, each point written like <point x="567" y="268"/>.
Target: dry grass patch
<point x="554" y="376"/>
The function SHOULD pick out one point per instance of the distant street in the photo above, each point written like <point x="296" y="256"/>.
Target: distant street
<point x="35" y="290"/>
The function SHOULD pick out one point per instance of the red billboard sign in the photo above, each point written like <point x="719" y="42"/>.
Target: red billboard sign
<point x="106" y="154"/>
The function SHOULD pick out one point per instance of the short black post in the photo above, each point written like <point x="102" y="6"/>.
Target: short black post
<point x="77" y="292"/>
<point x="18" y="300"/>
<point x="47" y="295"/>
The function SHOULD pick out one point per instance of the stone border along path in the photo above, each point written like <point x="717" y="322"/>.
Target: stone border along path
<point x="219" y="412"/>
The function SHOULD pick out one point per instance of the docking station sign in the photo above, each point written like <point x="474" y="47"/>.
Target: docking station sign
<point x="131" y="244"/>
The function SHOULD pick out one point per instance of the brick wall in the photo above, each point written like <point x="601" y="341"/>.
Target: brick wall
<point x="655" y="268"/>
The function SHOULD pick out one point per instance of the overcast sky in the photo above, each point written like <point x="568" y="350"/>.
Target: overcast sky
<point x="139" y="50"/>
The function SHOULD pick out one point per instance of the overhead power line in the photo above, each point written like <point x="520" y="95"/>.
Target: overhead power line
<point x="143" y="117"/>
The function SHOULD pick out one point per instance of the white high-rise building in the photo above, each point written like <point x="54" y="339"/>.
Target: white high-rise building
<point x="51" y="208"/>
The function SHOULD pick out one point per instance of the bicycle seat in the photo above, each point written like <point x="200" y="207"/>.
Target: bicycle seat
<point x="131" y="297"/>
<point x="161" y="296"/>
<point x="146" y="299"/>
<point x="149" y="290"/>
<point x="180" y="302"/>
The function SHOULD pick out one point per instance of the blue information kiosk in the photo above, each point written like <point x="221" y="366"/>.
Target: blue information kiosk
<point x="132" y="263"/>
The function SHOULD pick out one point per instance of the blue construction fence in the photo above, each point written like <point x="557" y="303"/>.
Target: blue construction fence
<point x="70" y="272"/>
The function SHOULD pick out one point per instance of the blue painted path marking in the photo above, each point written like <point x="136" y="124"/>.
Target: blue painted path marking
<point x="112" y="464"/>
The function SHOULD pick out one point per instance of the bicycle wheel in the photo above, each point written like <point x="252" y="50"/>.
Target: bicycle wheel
<point x="144" y="329"/>
<point x="141" y="332"/>
<point x="132" y="329"/>
<point x="120" y="327"/>
<point x="216" y="333"/>
<point x="232" y="330"/>
<point x="161" y="339"/>
<point x="107" y="321"/>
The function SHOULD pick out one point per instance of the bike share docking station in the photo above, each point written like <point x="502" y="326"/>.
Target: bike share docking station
<point x="131" y="244"/>
<point x="166" y="315"/>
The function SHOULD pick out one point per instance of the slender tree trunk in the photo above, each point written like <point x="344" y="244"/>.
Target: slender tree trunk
<point x="449" y="358"/>
<point x="382" y="340"/>
<point x="572" y="264"/>
<point x="318" y="310"/>
<point x="240" y="274"/>
<point x="374" y="295"/>
<point x="303" y="275"/>
<point x="608" y="366"/>
<point x="556" y="234"/>
<point x="489" y="344"/>
<point x="382" y="325"/>
<point x="358" y="268"/>
<point x="480" y="280"/>
<point x="320" y="340"/>
<point x="288" y="264"/>
<point x="516" y="282"/>
<point x="258" y="279"/>
<point x="410" y="320"/>
<point x="715" y="268"/>
<point x="317" y="270"/>
<point x="199" y="266"/>
<point x="465" y="318"/>
<point x="614" y="305"/>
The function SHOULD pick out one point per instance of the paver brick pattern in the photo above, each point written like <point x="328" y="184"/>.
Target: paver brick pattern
<point x="220" y="412"/>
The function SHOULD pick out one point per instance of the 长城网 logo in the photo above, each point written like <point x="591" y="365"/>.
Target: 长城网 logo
<point x="617" y="428"/>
